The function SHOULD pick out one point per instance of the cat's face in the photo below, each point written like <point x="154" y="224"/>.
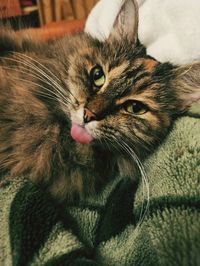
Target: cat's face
<point x="122" y="94"/>
<point x="113" y="93"/>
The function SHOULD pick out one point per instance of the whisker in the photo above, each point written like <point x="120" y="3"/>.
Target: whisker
<point x="145" y="183"/>
<point x="33" y="67"/>
<point x="128" y="152"/>
<point x="144" y="180"/>
<point x="66" y="67"/>
<point x="50" y="72"/>
<point x="35" y="61"/>
<point x="113" y="140"/>
<point x="35" y="76"/>
<point x="45" y="75"/>
<point x="47" y="95"/>
<point x="51" y="93"/>
<point x="116" y="146"/>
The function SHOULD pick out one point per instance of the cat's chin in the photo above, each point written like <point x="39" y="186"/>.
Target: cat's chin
<point x="80" y="134"/>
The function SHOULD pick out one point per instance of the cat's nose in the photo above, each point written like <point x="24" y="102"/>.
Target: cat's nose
<point x="88" y="116"/>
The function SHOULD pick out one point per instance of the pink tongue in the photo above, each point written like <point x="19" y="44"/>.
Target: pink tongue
<point x="80" y="134"/>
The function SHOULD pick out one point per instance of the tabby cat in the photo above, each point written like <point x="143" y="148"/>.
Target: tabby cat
<point x="75" y="111"/>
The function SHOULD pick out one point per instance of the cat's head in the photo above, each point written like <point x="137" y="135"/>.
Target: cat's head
<point x="113" y="92"/>
<point x="83" y="90"/>
<point x="125" y="96"/>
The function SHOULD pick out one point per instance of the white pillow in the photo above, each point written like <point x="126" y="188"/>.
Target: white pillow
<point x="169" y="29"/>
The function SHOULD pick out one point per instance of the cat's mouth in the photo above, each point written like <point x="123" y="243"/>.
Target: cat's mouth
<point x="80" y="134"/>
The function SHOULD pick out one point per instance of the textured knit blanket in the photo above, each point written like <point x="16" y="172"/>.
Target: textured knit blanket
<point x="120" y="226"/>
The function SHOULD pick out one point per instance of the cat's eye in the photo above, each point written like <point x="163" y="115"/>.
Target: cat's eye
<point x="135" y="107"/>
<point x="97" y="76"/>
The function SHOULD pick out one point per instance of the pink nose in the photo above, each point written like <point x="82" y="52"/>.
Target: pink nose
<point x="88" y="116"/>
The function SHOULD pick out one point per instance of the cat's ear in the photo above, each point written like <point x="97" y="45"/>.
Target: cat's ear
<point x="113" y="20"/>
<point x="187" y="85"/>
<point x="126" y="22"/>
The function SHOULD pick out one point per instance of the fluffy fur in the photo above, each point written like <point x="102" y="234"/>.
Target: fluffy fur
<point x="46" y="87"/>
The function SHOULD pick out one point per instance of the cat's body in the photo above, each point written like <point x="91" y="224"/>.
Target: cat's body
<point x="72" y="111"/>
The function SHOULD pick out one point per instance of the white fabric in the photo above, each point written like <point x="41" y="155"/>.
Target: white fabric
<point x="169" y="29"/>
<point x="102" y="17"/>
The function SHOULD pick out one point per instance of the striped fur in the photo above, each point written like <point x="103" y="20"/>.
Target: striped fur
<point x="43" y="86"/>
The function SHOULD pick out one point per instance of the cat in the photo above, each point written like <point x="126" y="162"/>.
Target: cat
<point x="75" y="111"/>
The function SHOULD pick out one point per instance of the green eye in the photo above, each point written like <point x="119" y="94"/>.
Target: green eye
<point x="135" y="107"/>
<point x="97" y="76"/>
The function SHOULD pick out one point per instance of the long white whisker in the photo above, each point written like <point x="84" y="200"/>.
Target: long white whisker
<point x="45" y="75"/>
<point x="22" y="56"/>
<point x="47" y="95"/>
<point x="38" y="76"/>
<point x="51" y="92"/>
<point x="33" y="67"/>
<point x="144" y="178"/>
<point x="40" y="71"/>
<point x="50" y="72"/>
<point x="129" y="151"/>
<point x="21" y="70"/>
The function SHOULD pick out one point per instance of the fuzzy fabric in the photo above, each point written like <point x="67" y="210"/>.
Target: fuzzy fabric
<point x="110" y="229"/>
<point x="169" y="29"/>
<point x="117" y="227"/>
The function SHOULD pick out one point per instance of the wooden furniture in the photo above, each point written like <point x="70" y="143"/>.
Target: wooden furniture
<point x="48" y="10"/>
<point x="26" y="10"/>
<point x="56" y="29"/>
<point x="81" y="8"/>
<point x="57" y="10"/>
<point x="9" y="8"/>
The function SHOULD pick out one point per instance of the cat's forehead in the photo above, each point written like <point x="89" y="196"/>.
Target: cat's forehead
<point x="130" y="73"/>
<point x="116" y="60"/>
<point x="112" y="53"/>
<point x="85" y="45"/>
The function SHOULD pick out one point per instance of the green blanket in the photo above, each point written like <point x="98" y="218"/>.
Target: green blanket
<point x="117" y="227"/>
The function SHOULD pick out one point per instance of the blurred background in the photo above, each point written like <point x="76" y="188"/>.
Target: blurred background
<point x="54" y="15"/>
